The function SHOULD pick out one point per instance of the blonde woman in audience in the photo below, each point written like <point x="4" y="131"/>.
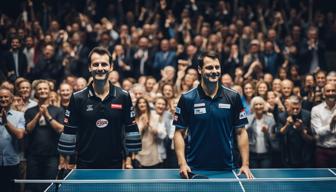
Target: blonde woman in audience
<point x="152" y="127"/>
<point x="261" y="133"/>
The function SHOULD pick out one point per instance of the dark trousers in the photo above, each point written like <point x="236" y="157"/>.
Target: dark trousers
<point x="7" y="176"/>
<point x="41" y="167"/>
<point x="325" y="157"/>
<point x="260" y="160"/>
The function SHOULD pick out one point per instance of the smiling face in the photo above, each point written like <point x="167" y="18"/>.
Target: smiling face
<point x="160" y="106"/>
<point x="43" y="90"/>
<point x="167" y="91"/>
<point x="25" y="90"/>
<point x="210" y="70"/>
<point x="65" y="91"/>
<point x="262" y="89"/>
<point x="330" y="92"/>
<point x="6" y="98"/>
<point x="259" y="107"/>
<point x="100" y="66"/>
<point x="142" y="105"/>
<point x="248" y="90"/>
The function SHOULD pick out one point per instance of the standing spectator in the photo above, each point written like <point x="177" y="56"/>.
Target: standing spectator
<point x="331" y="77"/>
<point x="312" y="53"/>
<point x="65" y="92"/>
<point x="271" y="58"/>
<point x="297" y="141"/>
<point x="11" y="131"/>
<point x="323" y="120"/>
<point x="15" y="61"/>
<point x="163" y="58"/>
<point x="24" y="89"/>
<point x="48" y="67"/>
<point x="248" y="94"/>
<point x="154" y="132"/>
<point x="141" y="58"/>
<point x="43" y="129"/>
<point x="31" y="52"/>
<point x="121" y="62"/>
<point x="261" y="133"/>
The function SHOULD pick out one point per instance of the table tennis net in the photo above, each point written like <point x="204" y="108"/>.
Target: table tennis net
<point x="171" y="185"/>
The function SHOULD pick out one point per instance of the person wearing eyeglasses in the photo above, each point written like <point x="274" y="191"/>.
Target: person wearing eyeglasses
<point x="210" y="121"/>
<point x="99" y="124"/>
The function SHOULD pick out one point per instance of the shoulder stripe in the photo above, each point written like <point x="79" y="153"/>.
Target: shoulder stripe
<point x="189" y="91"/>
<point x="75" y="93"/>
<point x="229" y="89"/>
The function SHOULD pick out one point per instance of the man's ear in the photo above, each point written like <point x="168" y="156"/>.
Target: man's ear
<point x="199" y="69"/>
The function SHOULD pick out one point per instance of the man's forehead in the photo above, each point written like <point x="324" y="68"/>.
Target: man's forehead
<point x="210" y="61"/>
<point x="95" y="57"/>
<point x="5" y="92"/>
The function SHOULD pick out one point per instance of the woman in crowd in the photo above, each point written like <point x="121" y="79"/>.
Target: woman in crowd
<point x="261" y="133"/>
<point x="262" y="89"/>
<point x="248" y="93"/>
<point x="152" y="128"/>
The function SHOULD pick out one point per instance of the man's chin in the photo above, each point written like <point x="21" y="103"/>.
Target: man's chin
<point x="331" y="99"/>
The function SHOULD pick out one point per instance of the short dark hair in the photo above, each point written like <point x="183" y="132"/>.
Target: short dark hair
<point x="100" y="51"/>
<point x="211" y="54"/>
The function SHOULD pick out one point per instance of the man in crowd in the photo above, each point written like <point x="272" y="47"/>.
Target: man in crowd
<point x="43" y="126"/>
<point x="297" y="140"/>
<point x="11" y="130"/>
<point x="323" y="122"/>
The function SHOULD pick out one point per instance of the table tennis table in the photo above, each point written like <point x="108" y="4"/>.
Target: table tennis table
<point x="168" y="180"/>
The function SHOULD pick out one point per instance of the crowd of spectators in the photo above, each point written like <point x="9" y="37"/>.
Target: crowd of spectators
<point x="272" y="53"/>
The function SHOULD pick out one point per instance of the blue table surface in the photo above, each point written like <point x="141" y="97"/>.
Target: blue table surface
<point x="240" y="185"/>
<point x="101" y="174"/>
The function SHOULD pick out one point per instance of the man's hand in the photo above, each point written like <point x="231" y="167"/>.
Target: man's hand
<point x="246" y="170"/>
<point x="128" y="163"/>
<point x="64" y="164"/>
<point x="298" y="124"/>
<point x="289" y="120"/>
<point x="264" y="129"/>
<point x="184" y="170"/>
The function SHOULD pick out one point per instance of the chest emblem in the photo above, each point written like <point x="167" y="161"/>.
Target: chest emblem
<point x="102" y="123"/>
<point x="199" y="105"/>
<point x="224" y="106"/>
<point x="89" y="108"/>
<point x="198" y="111"/>
<point x="116" y="106"/>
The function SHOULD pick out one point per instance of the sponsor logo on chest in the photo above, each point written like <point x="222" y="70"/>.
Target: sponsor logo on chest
<point x="224" y="106"/>
<point x="102" y="123"/>
<point x="116" y="106"/>
<point x="198" y="111"/>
